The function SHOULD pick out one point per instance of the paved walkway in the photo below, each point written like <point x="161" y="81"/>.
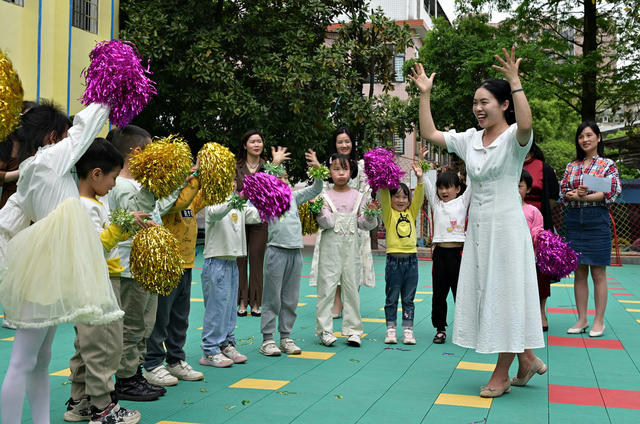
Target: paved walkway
<point x="589" y="380"/>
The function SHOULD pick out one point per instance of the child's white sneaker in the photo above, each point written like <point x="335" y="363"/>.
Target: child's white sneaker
<point x="354" y="340"/>
<point x="407" y="336"/>
<point x="327" y="338"/>
<point x="183" y="371"/>
<point x="390" y="337"/>
<point x="218" y="361"/>
<point x="160" y="376"/>
<point x="289" y="347"/>
<point x="269" y="348"/>
<point x="232" y="353"/>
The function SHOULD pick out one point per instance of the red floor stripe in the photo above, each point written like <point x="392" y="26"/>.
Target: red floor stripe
<point x="613" y="283"/>
<point x="584" y="342"/>
<point x="305" y="276"/>
<point x="617" y="288"/>
<point x="568" y="311"/>
<point x="592" y="396"/>
<point x="622" y="294"/>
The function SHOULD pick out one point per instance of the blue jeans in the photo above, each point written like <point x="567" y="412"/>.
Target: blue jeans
<point x="220" y="290"/>
<point x="401" y="276"/>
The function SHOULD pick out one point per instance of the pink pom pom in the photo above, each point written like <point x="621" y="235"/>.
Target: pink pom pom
<point x="117" y="78"/>
<point x="554" y="257"/>
<point x="270" y="195"/>
<point x="381" y="169"/>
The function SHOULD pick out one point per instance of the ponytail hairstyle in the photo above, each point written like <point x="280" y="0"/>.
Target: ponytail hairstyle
<point x="580" y="154"/>
<point x="501" y="90"/>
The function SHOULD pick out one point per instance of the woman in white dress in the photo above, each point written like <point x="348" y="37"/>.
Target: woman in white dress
<point x="497" y="307"/>
<point x="343" y="142"/>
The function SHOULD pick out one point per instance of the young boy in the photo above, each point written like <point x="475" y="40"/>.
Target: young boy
<point x="225" y="240"/>
<point x="98" y="347"/>
<point x="169" y="334"/>
<point x="449" y="213"/>
<point x="138" y="305"/>
<point x="282" y="270"/>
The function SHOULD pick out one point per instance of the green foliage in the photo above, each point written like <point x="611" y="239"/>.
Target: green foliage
<point x="227" y="66"/>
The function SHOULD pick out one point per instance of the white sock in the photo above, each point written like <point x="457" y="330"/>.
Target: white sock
<point x="28" y="373"/>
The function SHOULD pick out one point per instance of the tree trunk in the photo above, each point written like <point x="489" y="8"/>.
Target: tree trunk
<point x="589" y="52"/>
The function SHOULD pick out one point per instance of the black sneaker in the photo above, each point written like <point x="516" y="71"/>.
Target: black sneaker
<point x="132" y="389"/>
<point x="77" y="410"/>
<point x="152" y="387"/>
<point x="114" y="414"/>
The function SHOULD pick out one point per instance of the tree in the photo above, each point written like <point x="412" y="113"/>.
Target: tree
<point x="227" y="66"/>
<point x="586" y="52"/>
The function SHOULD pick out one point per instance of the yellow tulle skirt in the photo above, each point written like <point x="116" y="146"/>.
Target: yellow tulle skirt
<point x="56" y="272"/>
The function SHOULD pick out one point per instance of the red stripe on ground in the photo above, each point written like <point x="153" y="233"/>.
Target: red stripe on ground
<point x="616" y="288"/>
<point x="305" y="276"/>
<point x="584" y="342"/>
<point x="592" y="396"/>
<point x="568" y="311"/>
<point x="621" y="294"/>
<point x="614" y="282"/>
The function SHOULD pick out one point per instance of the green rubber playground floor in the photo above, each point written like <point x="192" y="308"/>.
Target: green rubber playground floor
<point x="589" y="380"/>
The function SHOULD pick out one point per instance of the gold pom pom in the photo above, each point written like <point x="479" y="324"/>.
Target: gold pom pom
<point x="217" y="169"/>
<point x="11" y="97"/>
<point x="307" y="219"/>
<point x="163" y="166"/>
<point x="155" y="261"/>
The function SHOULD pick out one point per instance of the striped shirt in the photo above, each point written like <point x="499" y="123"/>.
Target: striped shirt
<point x="599" y="167"/>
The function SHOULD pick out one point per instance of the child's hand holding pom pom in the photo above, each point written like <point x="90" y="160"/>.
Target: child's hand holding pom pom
<point x="216" y="173"/>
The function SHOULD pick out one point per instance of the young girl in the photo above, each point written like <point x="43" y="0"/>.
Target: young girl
<point x="399" y="213"/>
<point x="535" y="220"/>
<point x="449" y="210"/>
<point x="225" y="242"/>
<point x="339" y="257"/>
<point x="60" y="277"/>
<point x="497" y="307"/>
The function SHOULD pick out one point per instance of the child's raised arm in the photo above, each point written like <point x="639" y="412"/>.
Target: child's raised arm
<point x="418" y="194"/>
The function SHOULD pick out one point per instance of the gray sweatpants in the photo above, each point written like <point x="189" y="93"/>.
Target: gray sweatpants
<point x="281" y="290"/>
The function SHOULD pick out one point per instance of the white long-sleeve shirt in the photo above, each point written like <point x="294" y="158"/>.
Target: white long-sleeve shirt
<point x="225" y="236"/>
<point x="448" y="217"/>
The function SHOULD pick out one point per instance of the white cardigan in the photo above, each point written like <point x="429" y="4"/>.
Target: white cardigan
<point x="225" y="236"/>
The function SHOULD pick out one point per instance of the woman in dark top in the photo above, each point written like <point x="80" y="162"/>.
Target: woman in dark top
<point x="543" y="195"/>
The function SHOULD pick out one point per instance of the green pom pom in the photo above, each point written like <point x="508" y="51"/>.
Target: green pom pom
<point x="316" y="205"/>
<point x="275" y="170"/>
<point x="237" y="202"/>
<point x="124" y="220"/>
<point x="372" y="213"/>
<point x="321" y="173"/>
<point x="426" y="166"/>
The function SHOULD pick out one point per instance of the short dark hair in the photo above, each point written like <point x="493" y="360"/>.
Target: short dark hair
<point x="402" y="187"/>
<point x="527" y="178"/>
<point x="448" y="179"/>
<point x="334" y="139"/>
<point x="101" y="154"/>
<point x="242" y="149"/>
<point x="501" y="90"/>
<point x="580" y="154"/>
<point x="128" y="138"/>
<point x="343" y="160"/>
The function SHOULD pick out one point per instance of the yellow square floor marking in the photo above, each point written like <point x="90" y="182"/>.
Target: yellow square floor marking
<point x="199" y="328"/>
<point x="8" y="339"/>
<point x="302" y="304"/>
<point x="633" y="310"/>
<point x="382" y="309"/>
<point x="311" y="295"/>
<point x="313" y="355"/>
<point x="638" y="320"/>
<point x="339" y="334"/>
<point x="561" y="285"/>
<point x="1" y="316"/>
<point x="195" y="299"/>
<point x="629" y="301"/>
<point x="256" y="383"/>
<point x="572" y="276"/>
<point x="463" y="400"/>
<point x="418" y="300"/>
<point x="374" y="320"/>
<point x="423" y="292"/>
<point x="192" y="283"/>
<point x="476" y="366"/>
<point x="62" y="373"/>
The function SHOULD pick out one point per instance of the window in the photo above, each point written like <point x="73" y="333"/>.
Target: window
<point x="16" y="2"/>
<point x="398" y="144"/>
<point x="398" y="63"/>
<point x="85" y="15"/>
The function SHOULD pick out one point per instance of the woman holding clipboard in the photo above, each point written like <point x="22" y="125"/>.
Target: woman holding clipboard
<point x="589" y="186"/>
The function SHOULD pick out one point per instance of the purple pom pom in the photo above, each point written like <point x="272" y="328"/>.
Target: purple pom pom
<point x="381" y="169"/>
<point x="554" y="257"/>
<point x="117" y="78"/>
<point x="270" y="195"/>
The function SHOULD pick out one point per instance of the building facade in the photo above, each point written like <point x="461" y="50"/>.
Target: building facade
<point x="49" y="42"/>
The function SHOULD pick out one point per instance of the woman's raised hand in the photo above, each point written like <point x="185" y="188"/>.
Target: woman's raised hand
<point x="509" y="65"/>
<point x="312" y="159"/>
<point x="420" y="79"/>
